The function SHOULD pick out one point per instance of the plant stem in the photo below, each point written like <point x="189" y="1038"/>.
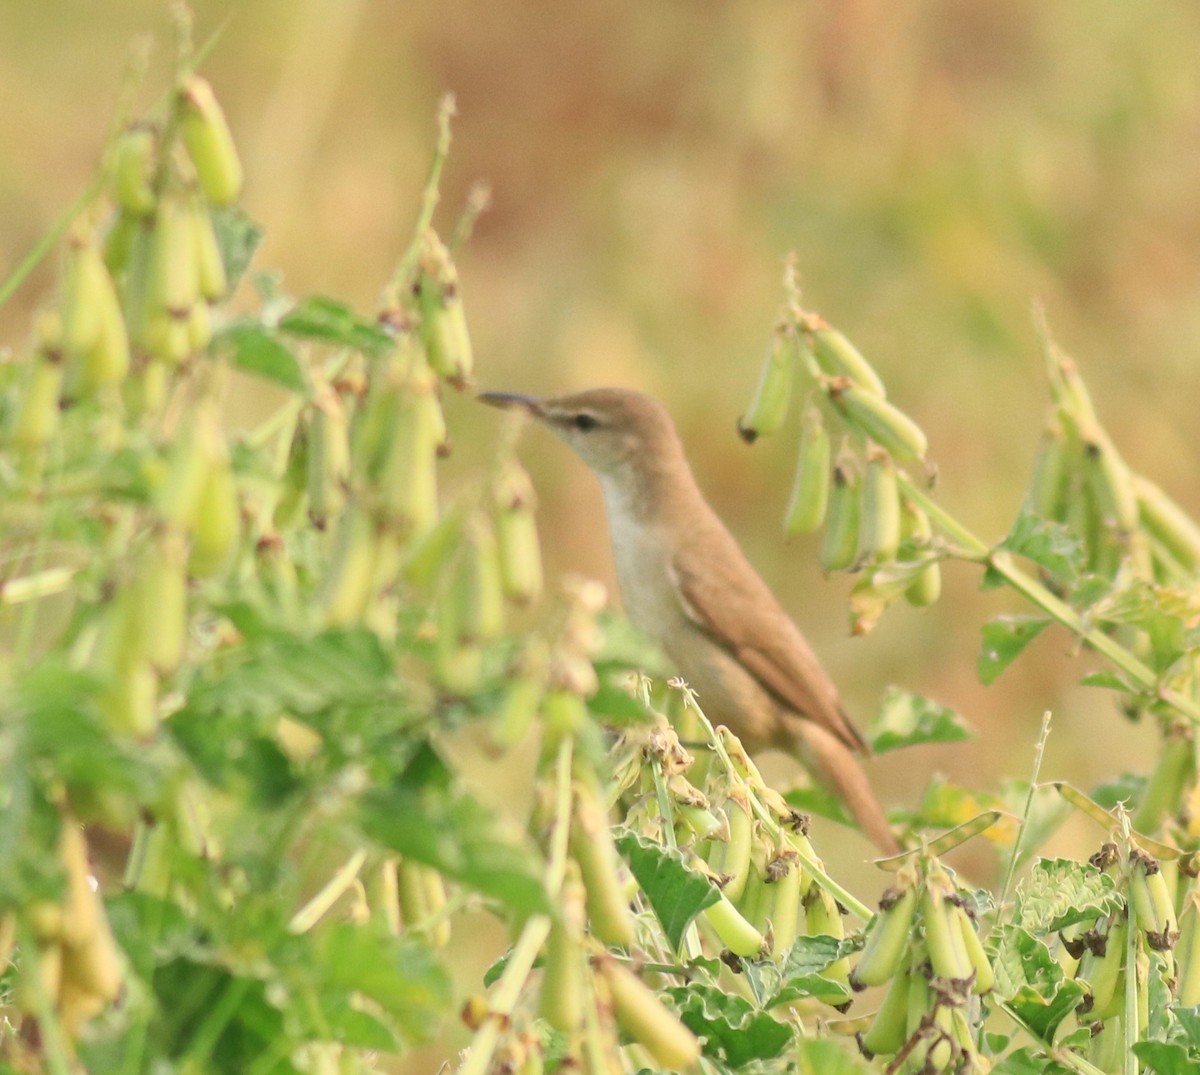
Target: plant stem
<point x="1038" y="755"/>
<point x="313" y="911"/>
<point x="40" y="584"/>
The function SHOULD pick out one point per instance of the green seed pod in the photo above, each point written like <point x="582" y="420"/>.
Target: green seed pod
<point x="119" y="240"/>
<point x="874" y="417"/>
<point x="218" y="523"/>
<point x="160" y="620"/>
<point x="838" y="357"/>
<point x="210" y="265"/>
<point x="810" y="489"/>
<point x="734" y="931"/>
<point x="197" y="445"/>
<point x="173" y="283"/>
<point x="591" y="845"/>
<point x="522" y="697"/>
<point x="1168" y="523"/>
<point x="408" y="482"/>
<point x="293" y="493"/>
<point x="328" y="457"/>
<point x="943" y="936"/>
<point x="1152" y="902"/>
<point x="769" y="406"/>
<point x="85" y="282"/>
<point x="209" y="142"/>
<point x="477" y="586"/>
<point x="787" y="879"/>
<point x="1111" y="483"/>
<point x="840" y="543"/>
<point x="879" y="518"/>
<point x="823" y="918"/>
<point x="422" y="895"/>
<point x="129" y="702"/>
<point x="647" y="1020"/>
<point x="561" y="997"/>
<point x="349" y="586"/>
<point x="888" y="1030"/>
<point x="1047" y="492"/>
<point x="134" y="162"/>
<point x="443" y="324"/>
<point x="36" y="420"/>
<point x="513" y="506"/>
<point x="917" y="533"/>
<point x="1187" y="952"/>
<point x="984" y="977"/>
<point x="888" y="935"/>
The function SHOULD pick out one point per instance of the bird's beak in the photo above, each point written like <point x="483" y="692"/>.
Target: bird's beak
<point x="513" y="401"/>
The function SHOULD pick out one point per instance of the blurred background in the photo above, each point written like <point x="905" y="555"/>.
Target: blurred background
<point x="936" y="166"/>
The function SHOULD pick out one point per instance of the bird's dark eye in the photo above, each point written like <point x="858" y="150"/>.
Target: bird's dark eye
<point x="585" y="422"/>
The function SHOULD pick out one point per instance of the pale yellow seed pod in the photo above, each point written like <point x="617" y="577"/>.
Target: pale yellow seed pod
<point x="218" y="523"/>
<point x="513" y="507"/>
<point x="647" y="1020"/>
<point x="210" y="266"/>
<point x="840" y="543"/>
<point x="37" y="418"/>
<point x="209" y="142"/>
<point x="133" y="170"/>
<point x="160" y="595"/>
<point x="874" y="417"/>
<point x="836" y="356"/>
<point x="349" y="588"/>
<point x="443" y="325"/>
<point x="591" y="845"/>
<point x="879" y="518"/>
<point x="173" y="283"/>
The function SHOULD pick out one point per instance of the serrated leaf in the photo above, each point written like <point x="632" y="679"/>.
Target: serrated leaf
<point x="427" y="816"/>
<point x="255" y="348"/>
<point x="1165" y="1058"/>
<point x="1043" y="1014"/>
<point x="800" y="972"/>
<point x="1059" y="892"/>
<point x="1003" y="640"/>
<point x="731" y="1030"/>
<point x="329" y="321"/>
<point x="1026" y="1061"/>
<point x="1048" y="544"/>
<point x="676" y="892"/>
<point x="906" y="719"/>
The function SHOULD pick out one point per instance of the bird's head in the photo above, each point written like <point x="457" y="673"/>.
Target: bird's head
<point x="616" y="431"/>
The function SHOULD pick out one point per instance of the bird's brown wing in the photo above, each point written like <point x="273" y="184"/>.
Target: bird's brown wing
<point x="742" y="616"/>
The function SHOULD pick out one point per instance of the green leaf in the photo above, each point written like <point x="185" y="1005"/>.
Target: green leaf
<point x="800" y="971"/>
<point x="1128" y="788"/>
<point x="1165" y="1059"/>
<point x="1048" y="544"/>
<point x="257" y="349"/>
<point x="1059" y="892"/>
<point x="1028" y="974"/>
<point x="329" y="321"/>
<point x="238" y="238"/>
<point x="1003" y="639"/>
<point x="828" y="1056"/>
<point x="401" y="975"/>
<point x="615" y="706"/>
<point x="1026" y="1061"/>
<point x="675" y="891"/>
<point x="906" y="719"/>
<point x="426" y="815"/>
<point x="1043" y="1014"/>
<point x="731" y="1030"/>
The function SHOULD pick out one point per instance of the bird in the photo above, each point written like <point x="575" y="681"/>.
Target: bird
<point x="685" y="582"/>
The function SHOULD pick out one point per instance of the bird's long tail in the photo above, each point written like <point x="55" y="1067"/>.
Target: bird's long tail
<point x="832" y="763"/>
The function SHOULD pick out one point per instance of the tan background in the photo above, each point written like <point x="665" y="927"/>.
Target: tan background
<point x="935" y="165"/>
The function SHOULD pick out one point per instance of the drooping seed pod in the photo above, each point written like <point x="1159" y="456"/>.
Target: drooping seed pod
<point x="209" y="142"/>
<point x="943" y="935"/>
<point x="874" y="417"/>
<point x="1151" y="900"/>
<point x="134" y="162"/>
<point x="421" y="891"/>
<point x="293" y="491"/>
<point x="37" y="416"/>
<point x="647" y="1020"/>
<point x="917" y="533"/>
<point x="592" y="847"/>
<point x="173" y="284"/>
<point x="513" y="506"/>
<point x="889" y="1029"/>
<point x="443" y="323"/>
<point x="349" y="586"/>
<point x="773" y="393"/>
<point x="211" y="278"/>
<point x="159" y="616"/>
<point x="328" y="457"/>
<point x="810" y="488"/>
<point x="786" y="875"/>
<point x="407" y="487"/>
<point x="1047" y="492"/>
<point x="120" y="238"/>
<point x="888" y="935"/>
<point x="476" y="586"/>
<point x="561" y="996"/>
<point x="879" y="515"/>
<point x="839" y="546"/>
<point x="94" y="334"/>
<point x="823" y="918"/>
<point x="836" y="356"/>
<point x="218" y="522"/>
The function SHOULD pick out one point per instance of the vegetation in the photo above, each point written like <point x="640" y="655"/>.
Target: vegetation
<point x="231" y="663"/>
